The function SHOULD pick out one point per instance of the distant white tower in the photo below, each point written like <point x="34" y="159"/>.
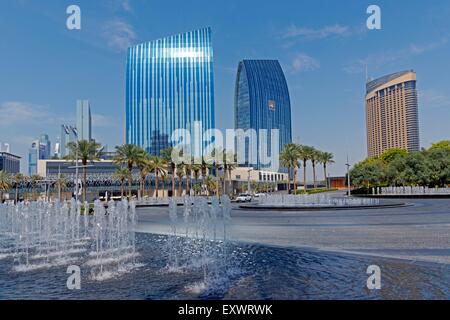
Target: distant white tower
<point x="84" y="121"/>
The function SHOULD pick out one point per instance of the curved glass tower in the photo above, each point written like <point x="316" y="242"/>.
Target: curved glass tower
<point x="169" y="86"/>
<point x="262" y="102"/>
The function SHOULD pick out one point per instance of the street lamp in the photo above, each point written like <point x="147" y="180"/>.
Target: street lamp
<point x="76" y="167"/>
<point x="248" y="181"/>
<point x="348" y="177"/>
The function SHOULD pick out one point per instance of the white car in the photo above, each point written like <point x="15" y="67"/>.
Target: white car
<point x="243" y="197"/>
<point x="258" y="195"/>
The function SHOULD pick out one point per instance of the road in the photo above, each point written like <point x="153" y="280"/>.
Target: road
<point x="419" y="232"/>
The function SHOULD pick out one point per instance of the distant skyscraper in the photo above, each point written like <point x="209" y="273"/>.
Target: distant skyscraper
<point x="169" y="85"/>
<point x="68" y="134"/>
<point x="392" y="113"/>
<point x="262" y="102"/>
<point x="84" y="120"/>
<point x="33" y="157"/>
<point x="46" y="147"/>
<point x="40" y="150"/>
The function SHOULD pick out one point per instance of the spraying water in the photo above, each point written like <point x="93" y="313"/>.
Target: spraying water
<point x="39" y="235"/>
<point x="198" y="239"/>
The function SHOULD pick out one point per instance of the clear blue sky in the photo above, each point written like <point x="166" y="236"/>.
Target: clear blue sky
<point x="323" y="47"/>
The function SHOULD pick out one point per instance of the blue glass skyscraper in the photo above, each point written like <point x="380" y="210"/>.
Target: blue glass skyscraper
<point x="262" y="102"/>
<point x="169" y="86"/>
<point x="84" y="120"/>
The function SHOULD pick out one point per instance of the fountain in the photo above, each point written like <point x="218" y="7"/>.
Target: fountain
<point x="315" y="202"/>
<point x="41" y="235"/>
<point x="413" y="191"/>
<point x="198" y="239"/>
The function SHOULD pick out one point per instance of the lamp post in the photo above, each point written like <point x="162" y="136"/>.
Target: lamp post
<point x="248" y="180"/>
<point x="76" y="167"/>
<point x="348" y="177"/>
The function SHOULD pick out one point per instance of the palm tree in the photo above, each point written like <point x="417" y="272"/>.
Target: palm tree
<point x="121" y="174"/>
<point x="196" y="169"/>
<point x="205" y="169"/>
<point x="34" y="179"/>
<point x="128" y="155"/>
<point x="86" y="151"/>
<point x="61" y="183"/>
<point x="144" y="169"/>
<point x="211" y="184"/>
<point x="188" y="168"/>
<point x="326" y="158"/>
<point x="305" y="155"/>
<point x="180" y="171"/>
<point x="166" y="154"/>
<point x="314" y="158"/>
<point x="197" y="189"/>
<point x="159" y="167"/>
<point x="288" y="157"/>
<point x="229" y="163"/>
<point x="5" y="183"/>
<point x="18" y="179"/>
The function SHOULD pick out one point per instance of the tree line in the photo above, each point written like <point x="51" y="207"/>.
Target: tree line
<point x="396" y="167"/>
<point x="293" y="156"/>
<point x="132" y="159"/>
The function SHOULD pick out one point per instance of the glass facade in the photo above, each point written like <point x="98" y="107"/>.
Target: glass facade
<point x="262" y="102"/>
<point x="169" y="86"/>
<point x="84" y="120"/>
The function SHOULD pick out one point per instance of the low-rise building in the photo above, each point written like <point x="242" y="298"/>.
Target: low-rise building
<point x="96" y="169"/>
<point x="9" y="162"/>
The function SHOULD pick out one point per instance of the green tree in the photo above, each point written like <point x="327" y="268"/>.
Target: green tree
<point x="392" y="154"/>
<point x="84" y="151"/>
<point x="438" y="160"/>
<point x="394" y="170"/>
<point x="444" y="144"/>
<point x="368" y="173"/>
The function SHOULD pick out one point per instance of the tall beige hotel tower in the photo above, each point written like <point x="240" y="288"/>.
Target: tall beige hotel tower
<point x="392" y="113"/>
